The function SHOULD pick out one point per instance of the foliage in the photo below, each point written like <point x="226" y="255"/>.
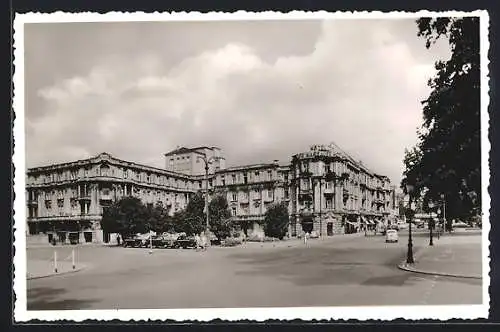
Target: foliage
<point x="126" y="216"/>
<point x="245" y="225"/>
<point x="255" y="238"/>
<point x="220" y="217"/>
<point x="192" y="219"/>
<point x="232" y="242"/>
<point x="158" y="219"/>
<point x="276" y="220"/>
<point x="445" y="165"/>
<point x="129" y="216"/>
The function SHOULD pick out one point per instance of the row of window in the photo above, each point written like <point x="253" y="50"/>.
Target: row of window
<point x="110" y="171"/>
<point x="245" y="177"/>
<point x="340" y="168"/>
<point x="269" y="193"/>
<point x="243" y="211"/>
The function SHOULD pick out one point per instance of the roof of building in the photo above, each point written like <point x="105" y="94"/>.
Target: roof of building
<point x="106" y="157"/>
<point x="182" y="150"/>
<point x="334" y="149"/>
<point x="250" y="166"/>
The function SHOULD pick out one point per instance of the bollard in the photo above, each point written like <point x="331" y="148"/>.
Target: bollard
<point x="73" y="258"/>
<point x="55" y="261"/>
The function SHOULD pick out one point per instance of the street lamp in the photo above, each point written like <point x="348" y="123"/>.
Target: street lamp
<point x="444" y="210"/>
<point x="409" y="256"/>
<point x="207" y="162"/>
<point x="441" y="229"/>
<point x="431" y="223"/>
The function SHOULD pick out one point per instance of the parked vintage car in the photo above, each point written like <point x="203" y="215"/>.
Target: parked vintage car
<point x="391" y="235"/>
<point x="133" y="242"/>
<point x="185" y="242"/>
<point x="402" y="225"/>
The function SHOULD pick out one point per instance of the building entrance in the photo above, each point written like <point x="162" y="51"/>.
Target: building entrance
<point x="329" y="229"/>
<point x="307" y="225"/>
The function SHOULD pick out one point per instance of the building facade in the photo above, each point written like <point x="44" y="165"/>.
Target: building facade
<point x="326" y="191"/>
<point x="188" y="160"/>
<point x="72" y="197"/>
<point x="333" y="193"/>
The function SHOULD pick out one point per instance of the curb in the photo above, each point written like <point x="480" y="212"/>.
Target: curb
<point x="407" y="267"/>
<point x="56" y="274"/>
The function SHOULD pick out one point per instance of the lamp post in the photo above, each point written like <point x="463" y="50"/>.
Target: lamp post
<point x="409" y="256"/>
<point x="431" y="224"/>
<point x="442" y="222"/>
<point x="207" y="162"/>
<point x="444" y="210"/>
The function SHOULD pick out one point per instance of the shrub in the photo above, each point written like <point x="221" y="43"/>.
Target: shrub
<point x="276" y="221"/>
<point x="254" y="238"/>
<point x="231" y="242"/>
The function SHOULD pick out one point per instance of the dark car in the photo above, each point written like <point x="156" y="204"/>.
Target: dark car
<point x="185" y="242"/>
<point x="163" y="242"/>
<point x="131" y="243"/>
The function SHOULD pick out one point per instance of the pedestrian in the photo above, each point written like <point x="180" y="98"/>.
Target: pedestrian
<point x="204" y="242"/>
<point x="198" y="242"/>
<point x="305" y="238"/>
<point x="118" y="239"/>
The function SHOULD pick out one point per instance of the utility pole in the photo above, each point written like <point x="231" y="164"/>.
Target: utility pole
<point x="207" y="162"/>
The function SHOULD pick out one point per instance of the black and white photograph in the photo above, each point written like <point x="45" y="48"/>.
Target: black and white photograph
<point x="251" y="166"/>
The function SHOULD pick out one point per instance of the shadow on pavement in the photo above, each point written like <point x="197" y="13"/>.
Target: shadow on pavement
<point x="46" y="298"/>
<point x="323" y="266"/>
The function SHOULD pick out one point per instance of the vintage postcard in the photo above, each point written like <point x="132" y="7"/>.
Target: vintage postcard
<point x="188" y="166"/>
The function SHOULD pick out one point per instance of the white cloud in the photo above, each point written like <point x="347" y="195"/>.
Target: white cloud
<point x="360" y="86"/>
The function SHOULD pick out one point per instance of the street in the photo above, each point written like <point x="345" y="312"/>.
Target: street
<point x="336" y="271"/>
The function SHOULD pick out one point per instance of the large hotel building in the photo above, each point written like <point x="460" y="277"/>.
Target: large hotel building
<point x="326" y="190"/>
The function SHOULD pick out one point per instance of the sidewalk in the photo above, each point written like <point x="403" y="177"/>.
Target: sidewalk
<point x="452" y="255"/>
<point x="37" y="269"/>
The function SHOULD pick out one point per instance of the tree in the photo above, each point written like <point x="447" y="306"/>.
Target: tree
<point x="157" y="218"/>
<point x="276" y="220"/>
<point x="446" y="161"/>
<point x="126" y="216"/>
<point x="192" y="219"/>
<point x="220" y="217"/>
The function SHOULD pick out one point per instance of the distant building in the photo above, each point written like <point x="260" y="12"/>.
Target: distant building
<point x="251" y="189"/>
<point x="325" y="190"/>
<point x="187" y="160"/>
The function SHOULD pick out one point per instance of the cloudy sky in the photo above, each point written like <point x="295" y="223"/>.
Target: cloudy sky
<point x="260" y="90"/>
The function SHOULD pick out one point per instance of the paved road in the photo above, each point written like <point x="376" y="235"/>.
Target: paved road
<point x="331" y="272"/>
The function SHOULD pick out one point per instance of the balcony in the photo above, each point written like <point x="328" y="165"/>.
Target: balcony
<point x="106" y="198"/>
<point x="33" y="202"/>
<point x="268" y="198"/>
<point x="306" y="211"/>
<point x="84" y="196"/>
<point x="328" y="190"/>
<point x="305" y="191"/>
